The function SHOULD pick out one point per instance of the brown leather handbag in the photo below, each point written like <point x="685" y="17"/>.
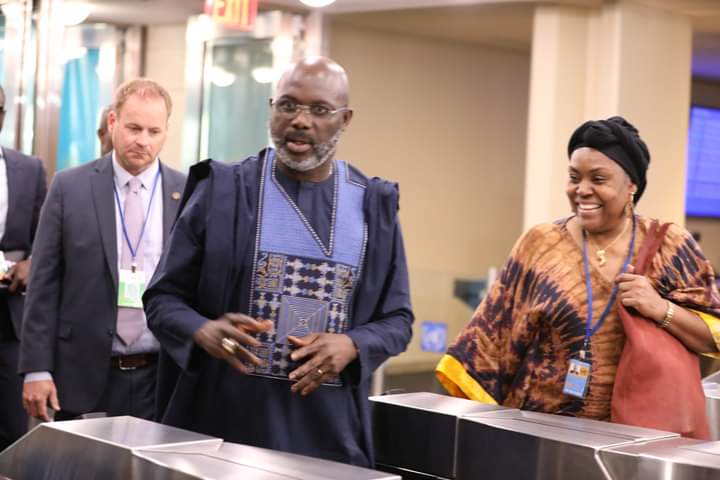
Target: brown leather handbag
<point x="657" y="384"/>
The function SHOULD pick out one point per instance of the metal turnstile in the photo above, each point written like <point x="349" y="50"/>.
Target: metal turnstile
<point x="232" y="461"/>
<point x="415" y="433"/>
<point x="673" y="459"/>
<point x="712" y="406"/>
<point x="429" y="436"/>
<point x="127" y="448"/>
<point x="538" y="446"/>
<point x="93" y="448"/>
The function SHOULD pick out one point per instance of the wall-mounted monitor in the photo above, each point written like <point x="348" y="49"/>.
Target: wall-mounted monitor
<point x="703" y="166"/>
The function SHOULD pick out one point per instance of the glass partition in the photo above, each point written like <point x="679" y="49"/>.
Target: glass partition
<point x="230" y="76"/>
<point x="17" y="76"/>
<point x="236" y="89"/>
<point x="89" y="53"/>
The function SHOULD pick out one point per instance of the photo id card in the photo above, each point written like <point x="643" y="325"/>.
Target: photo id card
<point x="131" y="288"/>
<point x="577" y="379"/>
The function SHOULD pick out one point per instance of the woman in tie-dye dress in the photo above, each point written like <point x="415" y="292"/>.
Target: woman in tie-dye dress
<point x="517" y="348"/>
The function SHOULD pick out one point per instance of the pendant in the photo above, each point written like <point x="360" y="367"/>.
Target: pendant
<point x="600" y="254"/>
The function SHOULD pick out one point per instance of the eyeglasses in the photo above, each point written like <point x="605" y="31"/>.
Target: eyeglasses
<point x="291" y="109"/>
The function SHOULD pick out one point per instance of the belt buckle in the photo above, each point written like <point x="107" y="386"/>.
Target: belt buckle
<point x="122" y="367"/>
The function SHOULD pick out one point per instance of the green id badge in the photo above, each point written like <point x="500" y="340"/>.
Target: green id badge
<point x="131" y="288"/>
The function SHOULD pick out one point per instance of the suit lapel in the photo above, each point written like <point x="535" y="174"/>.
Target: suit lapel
<point x="101" y="181"/>
<point x="171" y="199"/>
<point x="15" y="174"/>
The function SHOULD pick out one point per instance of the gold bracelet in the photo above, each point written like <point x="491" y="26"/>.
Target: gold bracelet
<point x="669" y="313"/>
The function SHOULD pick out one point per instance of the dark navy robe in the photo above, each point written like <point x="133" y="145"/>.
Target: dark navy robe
<point x="206" y="270"/>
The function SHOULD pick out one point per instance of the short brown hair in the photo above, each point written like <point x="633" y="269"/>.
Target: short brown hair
<point x="142" y="87"/>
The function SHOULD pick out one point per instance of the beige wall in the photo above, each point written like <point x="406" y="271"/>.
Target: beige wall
<point x="165" y="63"/>
<point x="707" y="94"/>
<point x="448" y="122"/>
<point x="621" y="58"/>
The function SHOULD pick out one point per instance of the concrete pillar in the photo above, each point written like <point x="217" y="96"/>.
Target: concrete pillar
<point x="621" y="58"/>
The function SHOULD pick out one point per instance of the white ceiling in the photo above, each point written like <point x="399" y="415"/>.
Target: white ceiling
<point x="505" y="23"/>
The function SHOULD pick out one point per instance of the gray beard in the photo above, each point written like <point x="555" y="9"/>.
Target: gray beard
<point x="322" y="152"/>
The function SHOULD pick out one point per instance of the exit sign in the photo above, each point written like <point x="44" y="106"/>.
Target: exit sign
<point x="239" y="14"/>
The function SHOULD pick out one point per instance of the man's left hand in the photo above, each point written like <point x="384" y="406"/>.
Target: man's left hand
<point x="18" y="275"/>
<point x="325" y="356"/>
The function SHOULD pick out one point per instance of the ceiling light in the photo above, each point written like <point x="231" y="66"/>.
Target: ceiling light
<point x="317" y="3"/>
<point x="263" y="74"/>
<point x="221" y="77"/>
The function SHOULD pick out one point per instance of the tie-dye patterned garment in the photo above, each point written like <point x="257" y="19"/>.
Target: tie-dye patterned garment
<point x="516" y="348"/>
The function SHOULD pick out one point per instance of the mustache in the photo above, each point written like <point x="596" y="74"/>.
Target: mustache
<point x="298" y="137"/>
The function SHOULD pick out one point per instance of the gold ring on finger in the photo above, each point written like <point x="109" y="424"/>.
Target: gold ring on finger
<point x="320" y="373"/>
<point x="230" y="345"/>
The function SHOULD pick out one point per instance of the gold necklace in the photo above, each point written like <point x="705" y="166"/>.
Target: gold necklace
<point x="600" y="252"/>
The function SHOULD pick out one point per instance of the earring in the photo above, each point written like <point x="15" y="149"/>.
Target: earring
<point x="631" y="204"/>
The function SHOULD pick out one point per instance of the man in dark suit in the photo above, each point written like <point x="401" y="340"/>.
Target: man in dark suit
<point x="85" y="346"/>
<point x="22" y="191"/>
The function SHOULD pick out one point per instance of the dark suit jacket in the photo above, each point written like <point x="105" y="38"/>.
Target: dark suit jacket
<point x="27" y="186"/>
<point x="71" y="304"/>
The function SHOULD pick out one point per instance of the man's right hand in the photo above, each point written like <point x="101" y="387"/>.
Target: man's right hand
<point x="37" y="396"/>
<point x="234" y="327"/>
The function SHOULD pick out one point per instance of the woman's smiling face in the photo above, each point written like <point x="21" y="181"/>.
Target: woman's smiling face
<point x="598" y="189"/>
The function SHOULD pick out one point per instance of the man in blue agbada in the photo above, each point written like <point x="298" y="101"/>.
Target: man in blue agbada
<point x="283" y="286"/>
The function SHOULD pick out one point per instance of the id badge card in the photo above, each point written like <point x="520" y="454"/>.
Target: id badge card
<point x="131" y="288"/>
<point x="577" y="378"/>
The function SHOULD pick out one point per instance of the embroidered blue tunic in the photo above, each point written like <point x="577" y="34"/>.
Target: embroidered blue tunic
<point x="300" y="281"/>
<point x="209" y="268"/>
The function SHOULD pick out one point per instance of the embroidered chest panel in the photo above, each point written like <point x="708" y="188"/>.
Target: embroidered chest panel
<point x="299" y="283"/>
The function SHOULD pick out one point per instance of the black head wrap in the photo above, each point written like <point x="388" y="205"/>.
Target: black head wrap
<point x="620" y="141"/>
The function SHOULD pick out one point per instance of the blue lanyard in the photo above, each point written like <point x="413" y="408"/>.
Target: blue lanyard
<point x="133" y="251"/>
<point x="589" y="328"/>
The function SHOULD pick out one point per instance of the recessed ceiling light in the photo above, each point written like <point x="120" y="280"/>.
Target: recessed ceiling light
<point x="317" y="3"/>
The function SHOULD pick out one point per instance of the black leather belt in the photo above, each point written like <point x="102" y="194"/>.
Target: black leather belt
<point x="131" y="362"/>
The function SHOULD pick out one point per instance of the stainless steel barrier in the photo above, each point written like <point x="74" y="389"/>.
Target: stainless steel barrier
<point x="415" y="432"/>
<point x="712" y="406"/>
<point x="95" y="448"/>
<point x="673" y="459"/>
<point x="712" y="378"/>
<point x="529" y="445"/>
<point x="428" y="436"/>
<point x="233" y="461"/>
<point x="128" y="448"/>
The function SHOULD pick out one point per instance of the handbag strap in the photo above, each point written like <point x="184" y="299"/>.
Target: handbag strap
<point x="650" y="246"/>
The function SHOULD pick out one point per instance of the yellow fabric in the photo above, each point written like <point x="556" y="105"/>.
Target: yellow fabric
<point x="713" y="324"/>
<point x="458" y="382"/>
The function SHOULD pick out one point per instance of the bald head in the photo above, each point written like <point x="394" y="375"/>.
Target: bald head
<point x="319" y="72"/>
<point x="309" y="113"/>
